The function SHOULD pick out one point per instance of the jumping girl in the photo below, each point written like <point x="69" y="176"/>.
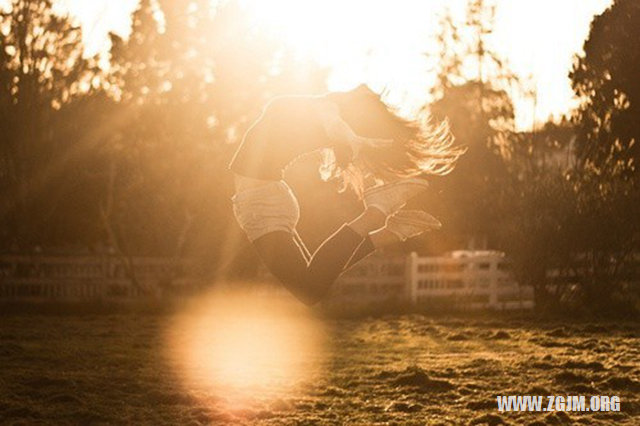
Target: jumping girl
<point x="363" y="144"/>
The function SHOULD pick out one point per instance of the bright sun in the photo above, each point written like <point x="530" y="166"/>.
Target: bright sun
<point x="312" y="27"/>
<point x="359" y="41"/>
<point x="383" y="43"/>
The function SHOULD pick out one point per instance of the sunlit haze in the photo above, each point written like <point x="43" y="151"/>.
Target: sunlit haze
<point x="383" y="43"/>
<point x="244" y="345"/>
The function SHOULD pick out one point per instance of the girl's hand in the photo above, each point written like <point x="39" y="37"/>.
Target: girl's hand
<point x="357" y="142"/>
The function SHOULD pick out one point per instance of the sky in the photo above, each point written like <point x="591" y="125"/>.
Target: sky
<point x="383" y="42"/>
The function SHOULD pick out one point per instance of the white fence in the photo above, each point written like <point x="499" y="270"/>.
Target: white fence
<point x="376" y="279"/>
<point x="467" y="279"/>
<point x="461" y="280"/>
<point x="84" y="277"/>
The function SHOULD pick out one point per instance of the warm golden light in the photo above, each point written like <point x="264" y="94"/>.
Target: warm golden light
<point x="384" y="44"/>
<point x="244" y="346"/>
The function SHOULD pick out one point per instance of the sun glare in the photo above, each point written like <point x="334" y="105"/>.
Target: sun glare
<point x="384" y="44"/>
<point x="360" y="41"/>
<point x="244" y="346"/>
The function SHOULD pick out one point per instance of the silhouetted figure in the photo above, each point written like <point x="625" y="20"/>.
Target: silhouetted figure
<point x="364" y="144"/>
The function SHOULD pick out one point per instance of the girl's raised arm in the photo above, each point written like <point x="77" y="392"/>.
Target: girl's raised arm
<point x="339" y="131"/>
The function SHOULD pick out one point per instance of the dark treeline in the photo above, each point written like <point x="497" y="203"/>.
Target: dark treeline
<point x="134" y="156"/>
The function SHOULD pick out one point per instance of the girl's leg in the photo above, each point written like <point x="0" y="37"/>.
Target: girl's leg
<point x="268" y="213"/>
<point x="401" y="226"/>
<point x="374" y="241"/>
<point x="310" y="281"/>
<point x="301" y="246"/>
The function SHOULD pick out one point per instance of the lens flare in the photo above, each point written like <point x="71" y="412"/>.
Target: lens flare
<point x="245" y="346"/>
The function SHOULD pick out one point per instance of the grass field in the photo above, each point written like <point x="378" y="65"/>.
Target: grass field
<point x="116" y="369"/>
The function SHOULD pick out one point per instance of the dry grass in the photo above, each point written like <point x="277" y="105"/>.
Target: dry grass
<point x="112" y="369"/>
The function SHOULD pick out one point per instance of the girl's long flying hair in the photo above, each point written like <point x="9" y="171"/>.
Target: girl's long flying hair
<point x="419" y="147"/>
